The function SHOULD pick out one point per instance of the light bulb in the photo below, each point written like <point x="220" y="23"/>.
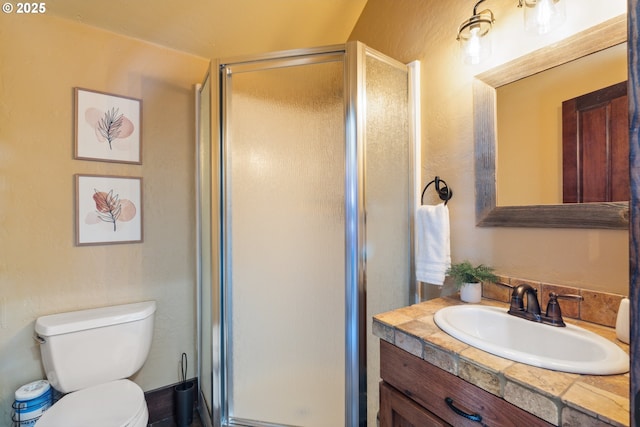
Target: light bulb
<point x="476" y="46"/>
<point x="474" y="36"/>
<point x="543" y="16"/>
<point x="473" y="46"/>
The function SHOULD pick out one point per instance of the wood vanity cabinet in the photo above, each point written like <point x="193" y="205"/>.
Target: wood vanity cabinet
<point x="413" y="393"/>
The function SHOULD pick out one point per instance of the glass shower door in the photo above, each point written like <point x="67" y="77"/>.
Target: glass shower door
<point x="284" y="241"/>
<point x="388" y="200"/>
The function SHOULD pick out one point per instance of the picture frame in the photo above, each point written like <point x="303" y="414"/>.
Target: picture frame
<point x="108" y="209"/>
<point x="108" y="127"/>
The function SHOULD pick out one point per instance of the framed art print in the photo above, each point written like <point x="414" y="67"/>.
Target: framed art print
<point x="108" y="209"/>
<point x="107" y="127"/>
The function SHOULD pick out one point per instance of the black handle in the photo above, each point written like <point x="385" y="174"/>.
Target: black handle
<point x="473" y="417"/>
<point x="183" y="365"/>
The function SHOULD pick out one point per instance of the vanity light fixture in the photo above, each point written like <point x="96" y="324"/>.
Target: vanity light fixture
<point x="542" y="16"/>
<point x="474" y="37"/>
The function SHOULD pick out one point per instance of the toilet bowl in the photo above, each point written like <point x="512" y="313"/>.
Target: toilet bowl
<point x="118" y="403"/>
<point x="89" y="355"/>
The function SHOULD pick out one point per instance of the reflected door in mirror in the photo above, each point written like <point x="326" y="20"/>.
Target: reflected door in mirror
<point x="595" y="146"/>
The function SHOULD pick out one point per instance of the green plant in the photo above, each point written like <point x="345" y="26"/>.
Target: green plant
<point x="465" y="272"/>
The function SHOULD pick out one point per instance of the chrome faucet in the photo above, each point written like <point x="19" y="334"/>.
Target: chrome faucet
<point x="532" y="311"/>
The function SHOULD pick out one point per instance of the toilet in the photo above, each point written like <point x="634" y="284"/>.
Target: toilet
<point x="89" y="355"/>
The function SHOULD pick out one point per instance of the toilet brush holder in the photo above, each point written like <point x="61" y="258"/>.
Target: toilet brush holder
<point x="184" y="403"/>
<point x="184" y="395"/>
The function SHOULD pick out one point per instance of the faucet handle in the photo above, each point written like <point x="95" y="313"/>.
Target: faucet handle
<point x="554" y="314"/>
<point x="506" y="285"/>
<point x="568" y="296"/>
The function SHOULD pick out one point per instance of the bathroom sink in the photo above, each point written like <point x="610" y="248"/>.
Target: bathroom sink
<point x="567" y="349"/>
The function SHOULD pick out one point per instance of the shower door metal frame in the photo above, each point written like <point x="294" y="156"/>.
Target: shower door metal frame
<point x="355" y="262"/>
<point x="247" y="64"/>
<point x="206" y="175"/>
<point x="352" y="54"/>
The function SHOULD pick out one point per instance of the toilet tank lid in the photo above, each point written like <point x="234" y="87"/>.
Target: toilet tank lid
<point x="74" y="321"/>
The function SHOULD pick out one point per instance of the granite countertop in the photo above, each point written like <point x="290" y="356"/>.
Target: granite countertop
<point x="557" y="397"/>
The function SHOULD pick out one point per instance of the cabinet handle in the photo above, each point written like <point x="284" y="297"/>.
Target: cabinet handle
<point x="473" y="417"/>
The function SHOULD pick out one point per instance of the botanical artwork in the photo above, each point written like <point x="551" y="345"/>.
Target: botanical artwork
<point x="108" y="209"/>
<point x="107" y="127"/>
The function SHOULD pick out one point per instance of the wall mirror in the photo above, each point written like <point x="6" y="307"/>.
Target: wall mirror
<point x="490" y="213"/>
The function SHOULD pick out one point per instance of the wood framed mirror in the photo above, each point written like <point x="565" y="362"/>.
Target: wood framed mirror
<point x="608" y="215"/>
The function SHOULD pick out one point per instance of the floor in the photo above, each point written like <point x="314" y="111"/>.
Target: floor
<point x="171" y="423"/>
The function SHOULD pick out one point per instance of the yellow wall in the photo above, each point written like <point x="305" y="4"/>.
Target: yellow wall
<point x="426" y="30"/>
<point x="41" y="271"/>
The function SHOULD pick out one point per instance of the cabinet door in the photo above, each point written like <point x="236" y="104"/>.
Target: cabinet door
<point x="429" y="387"/>
<point x="396" y="410"/>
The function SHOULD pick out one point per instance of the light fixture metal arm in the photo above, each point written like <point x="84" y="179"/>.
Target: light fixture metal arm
<point x="475" y="8"/>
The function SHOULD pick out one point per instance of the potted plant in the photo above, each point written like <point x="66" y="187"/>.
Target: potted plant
<point x="468" y="279"/>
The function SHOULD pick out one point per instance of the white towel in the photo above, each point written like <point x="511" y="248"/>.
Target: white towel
<point x="433" y="254"/>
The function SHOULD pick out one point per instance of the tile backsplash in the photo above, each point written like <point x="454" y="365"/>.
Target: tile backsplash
<point x="595" y="307"/>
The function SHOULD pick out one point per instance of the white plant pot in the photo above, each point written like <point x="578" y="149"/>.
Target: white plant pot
<point x="471" y="292"/>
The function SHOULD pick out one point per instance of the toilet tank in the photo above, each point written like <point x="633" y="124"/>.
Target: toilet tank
<point x="89" y="347"/>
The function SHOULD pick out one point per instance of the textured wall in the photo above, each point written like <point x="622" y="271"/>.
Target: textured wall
<point x="41" y="271"/>
<point x="426" y="30"/>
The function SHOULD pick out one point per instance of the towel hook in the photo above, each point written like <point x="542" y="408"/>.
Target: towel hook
<point x="444" y="192"/>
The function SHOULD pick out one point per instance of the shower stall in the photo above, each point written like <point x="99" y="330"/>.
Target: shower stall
<point x="306" y="193"/>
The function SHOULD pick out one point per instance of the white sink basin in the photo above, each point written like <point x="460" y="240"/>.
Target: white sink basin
<point x="569" y="349"/>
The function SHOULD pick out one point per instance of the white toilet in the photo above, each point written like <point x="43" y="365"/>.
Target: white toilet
<point x="89" y="354"/>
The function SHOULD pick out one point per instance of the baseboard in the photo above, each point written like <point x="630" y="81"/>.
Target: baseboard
<point x="161" y="401"/>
